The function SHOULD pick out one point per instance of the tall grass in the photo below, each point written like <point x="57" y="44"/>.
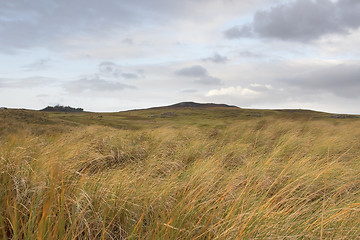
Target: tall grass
<point x="260" y="179"/>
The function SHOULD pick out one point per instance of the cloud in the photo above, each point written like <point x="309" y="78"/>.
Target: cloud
<point x="262" y="87"/>
<point x="41" y="23"/>
<point x="129" y="75"/>
<point x="199" y="72"/>
<point x="257" y="95"/>
<point x="341" y="80"/>
<point x="29" y="82"/>
<point x="301" y="21"/>
<point x="48" y="23"/>
<point x="236" y="32"/>
<point x="236" y="91"/>
<point x="216" y="58"/>
<point x="109" y="69"/>
<point x="112" y="70"/>
<point x="350" y="12"/>
<point x="189" y="91"/>
<point x="41" y="64"/>
<point x="250" y="54"/>
<point x="95" y="84"/>
<point x="107" y="79"/>
<point x="208" y="80"/>
<point x="193" y="71"/>
<point x="42" y="96"/>
<point x="128" y="41"/>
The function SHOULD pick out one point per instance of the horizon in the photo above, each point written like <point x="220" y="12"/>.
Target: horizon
<point x="170" y="105"/>
<point x="118" y="55"/>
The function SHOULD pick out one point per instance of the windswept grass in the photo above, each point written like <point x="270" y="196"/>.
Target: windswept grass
<point x="193" y="175"/>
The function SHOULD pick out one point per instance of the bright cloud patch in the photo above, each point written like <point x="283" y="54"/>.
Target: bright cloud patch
<point x="233" y="91"/>
<point x="257" y="85"/>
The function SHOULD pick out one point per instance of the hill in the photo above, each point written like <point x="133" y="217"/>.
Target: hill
<point x="198" y="105"/>
<point x="183" y="171"/>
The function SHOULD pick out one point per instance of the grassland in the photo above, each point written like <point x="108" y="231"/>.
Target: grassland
<point x="212" y="173"/>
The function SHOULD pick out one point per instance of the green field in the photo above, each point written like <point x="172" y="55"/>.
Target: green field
<point x="179" y="173"/>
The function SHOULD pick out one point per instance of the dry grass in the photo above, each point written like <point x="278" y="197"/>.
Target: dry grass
<point x="251" y="178"/>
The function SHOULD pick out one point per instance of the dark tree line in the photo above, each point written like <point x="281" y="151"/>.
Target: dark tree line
<point x="59" y="108"/>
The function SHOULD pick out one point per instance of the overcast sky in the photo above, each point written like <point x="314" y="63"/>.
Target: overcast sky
<point x="113" y="55"/>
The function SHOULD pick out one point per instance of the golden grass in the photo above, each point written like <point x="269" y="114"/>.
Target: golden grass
<point x="255" y="178"/>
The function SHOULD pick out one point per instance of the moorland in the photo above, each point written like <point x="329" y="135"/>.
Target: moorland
<point x="185" y="171"/>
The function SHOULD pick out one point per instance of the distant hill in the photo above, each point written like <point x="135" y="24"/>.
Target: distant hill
<point x="59" y="108"/>
<point x="197" y="105"/>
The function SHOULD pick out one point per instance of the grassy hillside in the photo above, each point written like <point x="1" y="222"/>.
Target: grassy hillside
<point x="179" y="173"/>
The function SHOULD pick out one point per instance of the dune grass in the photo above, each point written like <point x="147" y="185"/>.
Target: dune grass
<point x="200" y="176"/>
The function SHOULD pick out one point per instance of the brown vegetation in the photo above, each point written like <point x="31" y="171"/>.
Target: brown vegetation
<point x="198" y="174"/>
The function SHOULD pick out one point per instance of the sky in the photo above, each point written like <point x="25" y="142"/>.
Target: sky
<point x="115" y="55"/>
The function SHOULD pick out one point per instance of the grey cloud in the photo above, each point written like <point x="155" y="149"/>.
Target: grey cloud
<point x="48" y="23"/>
<point x="250" y="54"/>
<point x="109" y="68"/>
<point x="129" y="75"/>
<point x="112" y="70"/>
<point x="341" y="80"/>
<point x="106" y="79"/>
<point x="208" y="80"/>
<point x="193" y="71"/>
<point x="95" y="84"/>
<point x="301" y="20"/>
<point x="38" y="23"/>
<point x="236" y="32"/>
<point x="217" y="58"/>
<point x="350" y="10"/>
<point x="199" y="72"/>
<point x="189" y="91"/>
<point x="128" y="41"/>
<point x="140" y="73"/>
<point x="29" y="82"/>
